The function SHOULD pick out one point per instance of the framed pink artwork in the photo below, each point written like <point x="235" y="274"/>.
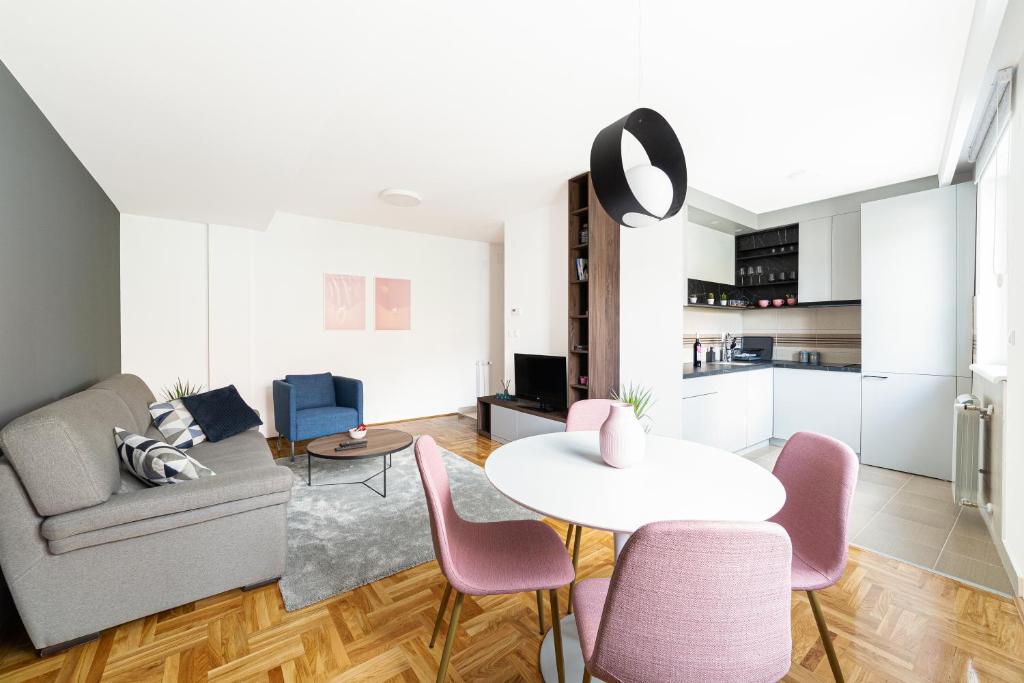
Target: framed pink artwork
<point x="344" y="302"/>
<point x="392" y="303"/>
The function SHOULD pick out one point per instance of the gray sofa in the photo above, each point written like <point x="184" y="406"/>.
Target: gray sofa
<point x="84" y="545"/>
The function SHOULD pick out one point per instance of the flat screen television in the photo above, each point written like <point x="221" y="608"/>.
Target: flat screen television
<point x="541" y="379"/>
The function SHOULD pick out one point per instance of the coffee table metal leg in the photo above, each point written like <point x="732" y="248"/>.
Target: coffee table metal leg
<point x="309" y="469"/>
<point x="385" y="463"/>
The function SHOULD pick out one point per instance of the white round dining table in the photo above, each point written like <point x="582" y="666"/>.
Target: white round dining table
<point x="562" y="476"/>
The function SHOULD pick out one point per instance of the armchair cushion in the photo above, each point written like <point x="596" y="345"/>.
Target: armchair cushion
<point x="312" y="391"/>
<point x="314" y="422"/>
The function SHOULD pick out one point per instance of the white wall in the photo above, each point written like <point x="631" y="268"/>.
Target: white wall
<point x="710" y="254"/>
<point x="164" y="309"/>
<point x="536" y="282"/>
<point x="263" y="295"/>
<point x="1013" y="484"/>
<point x="652" y="293"/>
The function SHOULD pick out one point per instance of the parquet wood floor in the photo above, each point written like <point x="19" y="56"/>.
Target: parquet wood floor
<point x="891" y="622"/>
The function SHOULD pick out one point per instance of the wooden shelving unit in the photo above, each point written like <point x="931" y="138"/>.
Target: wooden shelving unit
<point x="594" y="301"/>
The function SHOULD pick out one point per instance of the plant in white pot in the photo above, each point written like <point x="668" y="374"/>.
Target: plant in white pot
<point x="624" y="434"/>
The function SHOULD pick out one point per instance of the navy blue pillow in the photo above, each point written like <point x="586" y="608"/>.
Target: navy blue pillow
<point x="312" y="391"/>
<point x="221" y="413"/>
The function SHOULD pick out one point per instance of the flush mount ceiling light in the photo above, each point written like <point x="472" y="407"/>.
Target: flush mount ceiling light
<point x="648" y="192"/>
<point x="404" y="198"/>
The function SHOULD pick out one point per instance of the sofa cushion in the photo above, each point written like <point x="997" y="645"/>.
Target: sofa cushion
<point x="241" y="453"/>
<point x="314" y="422"/>
<point x="312" y="391"/>
<point x="135" y="394"/>
<point x="176" y="424"/>
<point x="148" y="503"/>
<point x="222" y="413"/>
<point x="155" y="462"/>
<point x="63" y="452"/>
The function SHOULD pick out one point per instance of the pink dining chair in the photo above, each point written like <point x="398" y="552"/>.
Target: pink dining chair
<point x="691" y="601"/>
<point x="586" y="415"/>
<point x="488" y="558"/>
<point x="819" y="474"/>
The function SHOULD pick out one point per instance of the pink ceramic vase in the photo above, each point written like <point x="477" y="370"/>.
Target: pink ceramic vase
<point x="622" y="437"/>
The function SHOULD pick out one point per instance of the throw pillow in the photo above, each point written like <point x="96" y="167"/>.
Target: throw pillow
<point x="177" y="424"/>
<point x="313" y="391"/>
<point x="221" y="413"/>
<point x="156" y="462"/>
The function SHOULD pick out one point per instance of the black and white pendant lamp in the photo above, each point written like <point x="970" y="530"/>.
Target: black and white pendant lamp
<point x="648" y="192"/>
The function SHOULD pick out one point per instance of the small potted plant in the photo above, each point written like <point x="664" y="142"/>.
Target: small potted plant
<point x="711" y="298"/>
<point x="723" y="300"/>
<point x="791" y="299"/>
<point x="693" y="298"/>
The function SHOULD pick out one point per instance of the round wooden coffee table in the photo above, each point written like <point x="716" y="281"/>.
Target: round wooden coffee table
<point x="380" y="443"/>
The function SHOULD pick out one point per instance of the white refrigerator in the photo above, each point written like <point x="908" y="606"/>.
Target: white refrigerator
<point x="917" y="290"/>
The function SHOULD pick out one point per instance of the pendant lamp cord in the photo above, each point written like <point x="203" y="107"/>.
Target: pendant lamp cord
<point x="639" y="52"/>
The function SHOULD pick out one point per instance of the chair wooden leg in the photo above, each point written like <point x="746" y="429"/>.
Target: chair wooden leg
<point x="440" y="613"/>
<point x="540" y="612"/>
<point x="826" y="639"/>
<point x="575" y="563"/>
<point x="557" y="626"/>
<point x="293" y="449"/>
<point x="450" y="639"/>
<point x="568" y="535"/>
<point x="586" y="677"/>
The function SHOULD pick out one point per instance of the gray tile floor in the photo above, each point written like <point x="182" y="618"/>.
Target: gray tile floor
<point x="913" y="519"/>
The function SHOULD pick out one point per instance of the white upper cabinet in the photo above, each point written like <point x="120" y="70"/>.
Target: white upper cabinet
<point x="845" y="257"/>
<point x="909" y="283"/>
<point x="830" y="259"/>
<point x="815" y="261"/>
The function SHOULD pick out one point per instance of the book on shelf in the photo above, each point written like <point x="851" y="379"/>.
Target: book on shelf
<point x="581" y="269"/>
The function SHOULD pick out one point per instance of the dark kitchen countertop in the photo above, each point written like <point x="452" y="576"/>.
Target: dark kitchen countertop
<point x="709" y="369"/>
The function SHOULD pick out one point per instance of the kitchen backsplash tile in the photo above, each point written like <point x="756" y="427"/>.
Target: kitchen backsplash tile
<point x="832" y="331"/>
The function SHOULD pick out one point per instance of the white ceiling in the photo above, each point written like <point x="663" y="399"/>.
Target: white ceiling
<point x="229" y="111"/>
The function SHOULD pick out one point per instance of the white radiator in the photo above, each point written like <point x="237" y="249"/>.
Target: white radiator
<point x="483" y="378"/>
<point x="968" y="447"/>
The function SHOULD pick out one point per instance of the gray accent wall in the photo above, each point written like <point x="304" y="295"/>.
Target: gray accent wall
<point x="59" y="259"/>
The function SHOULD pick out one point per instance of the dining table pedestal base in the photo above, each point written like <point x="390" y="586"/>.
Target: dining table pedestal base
<point x="571" y="654"/>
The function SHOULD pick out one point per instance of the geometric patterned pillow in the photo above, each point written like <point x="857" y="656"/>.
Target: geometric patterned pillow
<point x="177" y="424"/>
<point x="156" y="462"/>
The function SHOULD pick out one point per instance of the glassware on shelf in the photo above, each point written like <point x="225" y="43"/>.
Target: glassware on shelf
<point x="792" y="275"/>
<point x="759" y="272"/>
<point x="771" y="277"/>
<point x="743" y="271"/>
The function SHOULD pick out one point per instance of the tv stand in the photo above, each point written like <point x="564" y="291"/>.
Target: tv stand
<point x="506" y="421"/>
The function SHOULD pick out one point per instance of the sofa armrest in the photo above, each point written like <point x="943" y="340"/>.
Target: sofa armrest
<point x="348" y="393"/>
<point x="284" y="409"/>
<point x="134" y="506"/>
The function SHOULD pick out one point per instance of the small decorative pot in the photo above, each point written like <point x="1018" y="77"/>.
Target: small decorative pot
<point x="711" y="301"/>
<point x="693" y="298"/>
<point x="622" y="437"/>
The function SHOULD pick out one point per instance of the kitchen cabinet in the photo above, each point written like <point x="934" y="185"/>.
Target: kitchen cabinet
<point x="830" y="259"/>
<point x="845" y="284"/>
<point x="908" y="423"/>
<point x="759" y="405"/>
<point x="910" y="241"/>
<point x="815" y="260"/>
<point x="728" y="411"/>
<point x="818" y="401"/>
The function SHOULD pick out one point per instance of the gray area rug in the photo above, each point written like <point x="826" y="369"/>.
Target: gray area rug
<point x="342" y="537"/>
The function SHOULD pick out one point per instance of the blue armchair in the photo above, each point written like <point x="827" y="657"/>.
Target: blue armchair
<point x="310" y="406"/>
